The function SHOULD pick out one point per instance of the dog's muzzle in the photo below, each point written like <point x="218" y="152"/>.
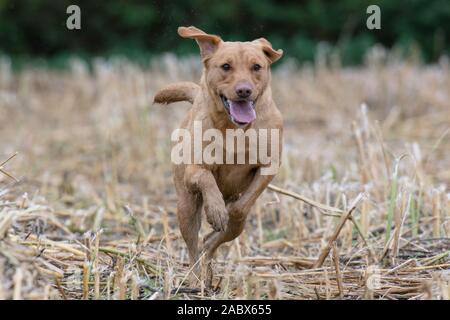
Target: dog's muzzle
<point x="241" y="112"/>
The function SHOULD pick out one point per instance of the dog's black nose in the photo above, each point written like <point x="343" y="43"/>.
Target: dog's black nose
<point x="243" y="90"/>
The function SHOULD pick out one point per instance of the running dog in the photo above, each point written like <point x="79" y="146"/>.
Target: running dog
<point x="234" y="93"/>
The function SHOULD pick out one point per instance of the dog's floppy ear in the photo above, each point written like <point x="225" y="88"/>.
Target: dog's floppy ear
<point x="208" y="43"/>
<point x="272" y="54"/>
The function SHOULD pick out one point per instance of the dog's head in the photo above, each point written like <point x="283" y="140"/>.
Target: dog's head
<point x="236" y="73"/>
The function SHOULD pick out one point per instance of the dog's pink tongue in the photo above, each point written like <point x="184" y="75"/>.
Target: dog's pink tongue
<point x="242" y="111"/>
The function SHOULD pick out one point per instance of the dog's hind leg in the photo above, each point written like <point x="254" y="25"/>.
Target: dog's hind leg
<point x="189" y="216"/>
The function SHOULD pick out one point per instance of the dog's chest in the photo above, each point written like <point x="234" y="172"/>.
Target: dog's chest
<point x="234" y="179"/>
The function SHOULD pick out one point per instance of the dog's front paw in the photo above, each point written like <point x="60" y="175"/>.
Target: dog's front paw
<point x="216" y="214"/>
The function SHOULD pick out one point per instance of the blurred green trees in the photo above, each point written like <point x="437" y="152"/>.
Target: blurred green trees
<point x="37" y="28"/>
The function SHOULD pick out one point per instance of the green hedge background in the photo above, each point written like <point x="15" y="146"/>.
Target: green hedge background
<point x="139" y="29"/>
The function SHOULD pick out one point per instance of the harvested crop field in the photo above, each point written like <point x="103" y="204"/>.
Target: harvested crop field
<point x="92" y="215"/>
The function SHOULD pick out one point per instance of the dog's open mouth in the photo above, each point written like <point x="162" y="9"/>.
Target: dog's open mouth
<point x="241" y="112"/>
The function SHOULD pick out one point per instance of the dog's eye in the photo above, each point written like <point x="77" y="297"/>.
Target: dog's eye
<point x="226" y="67"/>
<point x="256" y="67"/>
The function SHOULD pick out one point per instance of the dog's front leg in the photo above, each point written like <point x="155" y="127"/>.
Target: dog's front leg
<point x="199" y="179"/>
<point x="237" y="213"/>
<point x="240" y="208"/>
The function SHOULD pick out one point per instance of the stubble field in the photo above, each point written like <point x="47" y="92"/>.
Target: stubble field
<point x="93" y="213"/>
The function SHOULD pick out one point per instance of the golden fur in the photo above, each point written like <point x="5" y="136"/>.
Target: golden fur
<point x="225" y="192"/>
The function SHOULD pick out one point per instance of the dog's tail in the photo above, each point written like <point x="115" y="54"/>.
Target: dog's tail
<point x="180" y="91"/>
